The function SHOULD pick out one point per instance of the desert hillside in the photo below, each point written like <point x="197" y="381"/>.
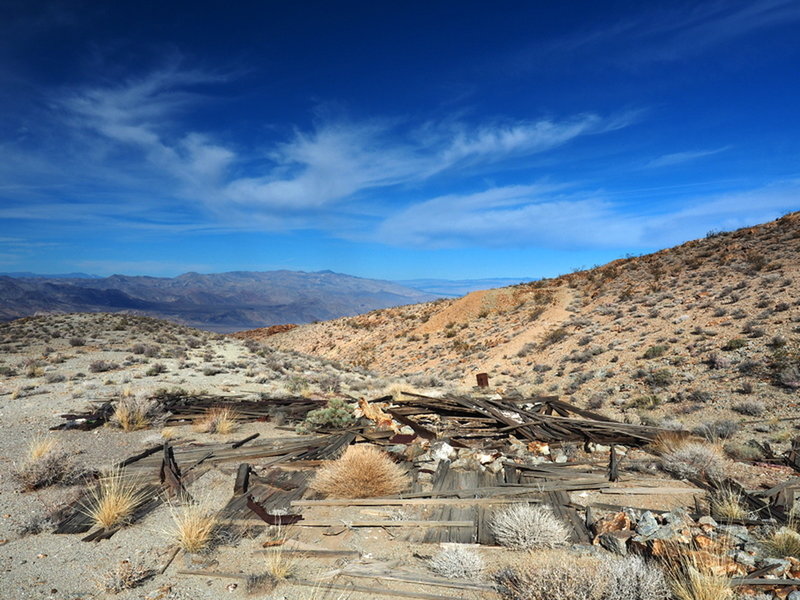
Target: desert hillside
<point x="710" y="324"/>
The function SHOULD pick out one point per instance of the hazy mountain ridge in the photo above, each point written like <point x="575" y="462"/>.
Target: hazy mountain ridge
<point x="219" y="301"/>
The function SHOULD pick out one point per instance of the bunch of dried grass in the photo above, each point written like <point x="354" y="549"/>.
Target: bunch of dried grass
<point x="114" y="500"/>
<point x="193" y="527"/>
<point x="124" y="576"/>
<point x="44" y="465"/>
<point x="217" y="420"/>
<point x="132" y="413"/>
<point x="363" y="471"/>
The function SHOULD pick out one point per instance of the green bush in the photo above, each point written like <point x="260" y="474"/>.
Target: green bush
<point x="336" y="415"/>
<point x="655" y="351"/>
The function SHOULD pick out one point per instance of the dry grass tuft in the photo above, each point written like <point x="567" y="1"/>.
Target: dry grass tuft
<point x="526" y="526"/>
<point x="667" y="441"/>
<point x="726" y="505"/>
<point x="694" y="579"/>
<point x="363" y="471"/>
<point x="194" y="527"/>
<point x="217" y="420"/>
<point x="281" y="565"/>
<point x="114" y="500"/>
<point x="124" y="576"/>
<point x="783" y="542"/>
<point x="133" y="413"/>
<point x="39" y="447"/>
<point x="44" y="465"/>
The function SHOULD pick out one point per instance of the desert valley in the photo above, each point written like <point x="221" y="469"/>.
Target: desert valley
<point x="637" y="439"/>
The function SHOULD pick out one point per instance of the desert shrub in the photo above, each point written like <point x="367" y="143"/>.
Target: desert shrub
<point x="193" y="527"/>
<point x="456" y="561"/>
<point x="717" y="430"/>
<point x="524" y="526"/>
<point x="746" y="452"/>
<point x="655" y="351"/>
<point x="648" y="402"/>
<point x="554" y="336"/>
<point x="54" y="378"/>
<point x="633" y="578"/>
<point x="693" y="581"/>
<point x="726" y="504"/>
<point x="101" y="366"/>
<point x="657" y="378"/>
<point x="114" y="500"/>
<point x="361" y="472"/>
<point x="338" y="414"/>
<point x="124" y="576"/>
<point x="700" y="396"/>
<point x="693" y="459"/>
<point x="44" y="465"/>
<point x="77" y="341"/>
<point x="783" y="542"/>
<point x="735" y="344"/>
<point x="156" y="369"/>
<point x="217" y="420"/>
<point x="752" y="408"/>
<point x="553" y="576"/>
<point x="133" y="413"/>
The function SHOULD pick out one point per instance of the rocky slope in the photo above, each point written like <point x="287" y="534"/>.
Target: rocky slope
<point x="712" y="324"/>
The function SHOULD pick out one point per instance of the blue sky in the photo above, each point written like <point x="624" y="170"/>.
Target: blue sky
<point x="390" y="140"/>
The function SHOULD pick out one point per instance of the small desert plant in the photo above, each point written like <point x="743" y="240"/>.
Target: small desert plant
<point x="114" y="500"/>
<point x="336" y="415"/>
<point x="44" y="465"/>
<point x="553" y="337"/>
<point x="735" y="344"/>
<point x="132" y="413"/>
<point x="690" y="579"/>
<point x="77" y="341"/>
<point x="553" y="576"/>
<point x="361" y="472"/>
<point x="456" y="561"/>
<point x="156" y="369"/>
<point x="714" y="431"/>
<point x="783" y="542"/>
<point x="217" y="420"/>
<point x="726" y="505"/>
<point x="694" y="459"/>
<point x="752" y="408"/>
<point x="525" y="526"/>
<point x="633" y="578"/>
<point x="101" y="366"/>
<point x="655" y="351"/>
<point x="124" y="576"/>
<point x="281" y="564"/>
<point x="193" y="527"/>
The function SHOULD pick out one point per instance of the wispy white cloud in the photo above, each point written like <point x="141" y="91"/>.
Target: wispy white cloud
<point x="313" y="171"/>
<point x="547" y="216"/>
<point x="676" y="158"/>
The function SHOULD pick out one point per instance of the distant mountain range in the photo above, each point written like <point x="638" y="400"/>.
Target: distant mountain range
<point x="459" y="287"/>
<point x="220" y="302"/>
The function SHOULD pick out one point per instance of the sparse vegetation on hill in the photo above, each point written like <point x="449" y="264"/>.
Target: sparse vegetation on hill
<point x="658" y="338"/>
